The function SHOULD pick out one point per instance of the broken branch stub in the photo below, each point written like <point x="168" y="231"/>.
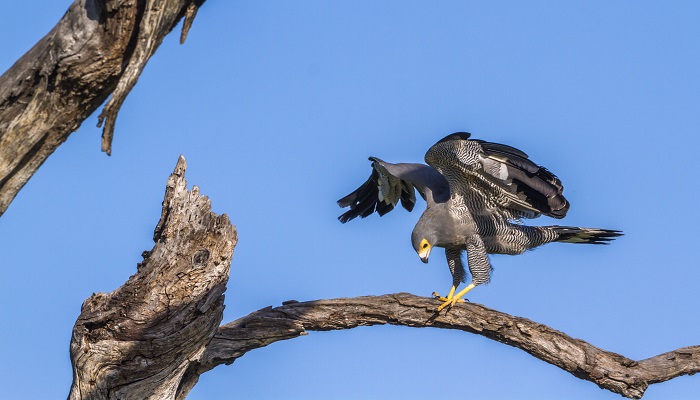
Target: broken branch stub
<point x="137" y="342"/>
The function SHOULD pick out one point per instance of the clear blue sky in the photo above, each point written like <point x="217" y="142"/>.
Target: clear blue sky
<point x="277" y="105"/>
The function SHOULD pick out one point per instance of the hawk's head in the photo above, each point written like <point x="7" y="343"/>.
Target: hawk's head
<point x="435" y="228"/>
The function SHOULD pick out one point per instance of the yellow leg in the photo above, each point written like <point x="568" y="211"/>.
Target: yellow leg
<point x="449" y="296"/>
<point x="452" y="300"/>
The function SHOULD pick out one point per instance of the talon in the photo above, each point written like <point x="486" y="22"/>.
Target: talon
<point x="453" y="299"/>
<point x="437" y="296"/>
<point x="449" y="295"/>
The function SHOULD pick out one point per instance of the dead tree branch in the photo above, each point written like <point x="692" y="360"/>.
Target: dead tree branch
<point x="608" y="370"/>
<point x="138" y="341"/>
<point x="98" y="48"/>
<point x="153" y="337"/>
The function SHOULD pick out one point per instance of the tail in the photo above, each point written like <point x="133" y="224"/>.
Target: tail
<point x="571" y="234"/>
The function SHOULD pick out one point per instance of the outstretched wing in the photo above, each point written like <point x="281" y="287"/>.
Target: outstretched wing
<point x="390" y="183"/>
<point x="495" y="178"/>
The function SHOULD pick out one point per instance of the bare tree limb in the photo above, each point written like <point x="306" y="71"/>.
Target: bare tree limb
<point x="153" y="337"/>
<point x="138" y="341"/>
<point x="157" y="20"/>
<point x="608" y="370"/>
<point x="98" y="47"/>
<point x="190" y="13"/>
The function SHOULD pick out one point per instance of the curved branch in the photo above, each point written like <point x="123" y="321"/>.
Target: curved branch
<point x="608" y="370"/>
<point x="154" y="336"/>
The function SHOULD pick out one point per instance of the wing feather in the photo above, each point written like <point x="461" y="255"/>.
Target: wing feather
<point x="390" y="184"/>
<point x="498" y="178"/>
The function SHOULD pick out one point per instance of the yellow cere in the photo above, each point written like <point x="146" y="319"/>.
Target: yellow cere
<point x="424" y="244"/>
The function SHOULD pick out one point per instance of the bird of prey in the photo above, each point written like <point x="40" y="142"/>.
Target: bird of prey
<point x="477" y="193"/>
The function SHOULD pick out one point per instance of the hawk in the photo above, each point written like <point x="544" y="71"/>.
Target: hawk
<point x="477" y="194"/>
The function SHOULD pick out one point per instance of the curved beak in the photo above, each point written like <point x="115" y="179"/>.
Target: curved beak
<point x="425" y="254"/>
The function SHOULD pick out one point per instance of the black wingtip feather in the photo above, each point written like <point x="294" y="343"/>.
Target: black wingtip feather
<point x="406" y="201"/>
<point x="456" y="136"/>
<point x="559" y="210"/>
<point x="383" y="208"/>
<point x="542" y="189"/>
<point x="362" y="201"/>
<point x="501" y="148"/>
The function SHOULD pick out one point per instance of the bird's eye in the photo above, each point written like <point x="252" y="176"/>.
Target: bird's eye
<point x="425" y="245"/>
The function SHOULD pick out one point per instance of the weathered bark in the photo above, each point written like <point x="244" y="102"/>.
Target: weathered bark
<point x="98" y="48"/>
<point x="138" y="341"/>
<point x="153" y="337"/>
<point x="608" y="370"/>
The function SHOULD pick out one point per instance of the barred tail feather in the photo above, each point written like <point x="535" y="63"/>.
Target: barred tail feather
<point x="571" y="234"/>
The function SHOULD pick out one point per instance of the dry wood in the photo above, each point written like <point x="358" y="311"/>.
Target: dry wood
<point x="154" y="336"/>
<point x="608" y="370"/>
<point x="99" y="47"/>
<point x="137" y="342"/>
